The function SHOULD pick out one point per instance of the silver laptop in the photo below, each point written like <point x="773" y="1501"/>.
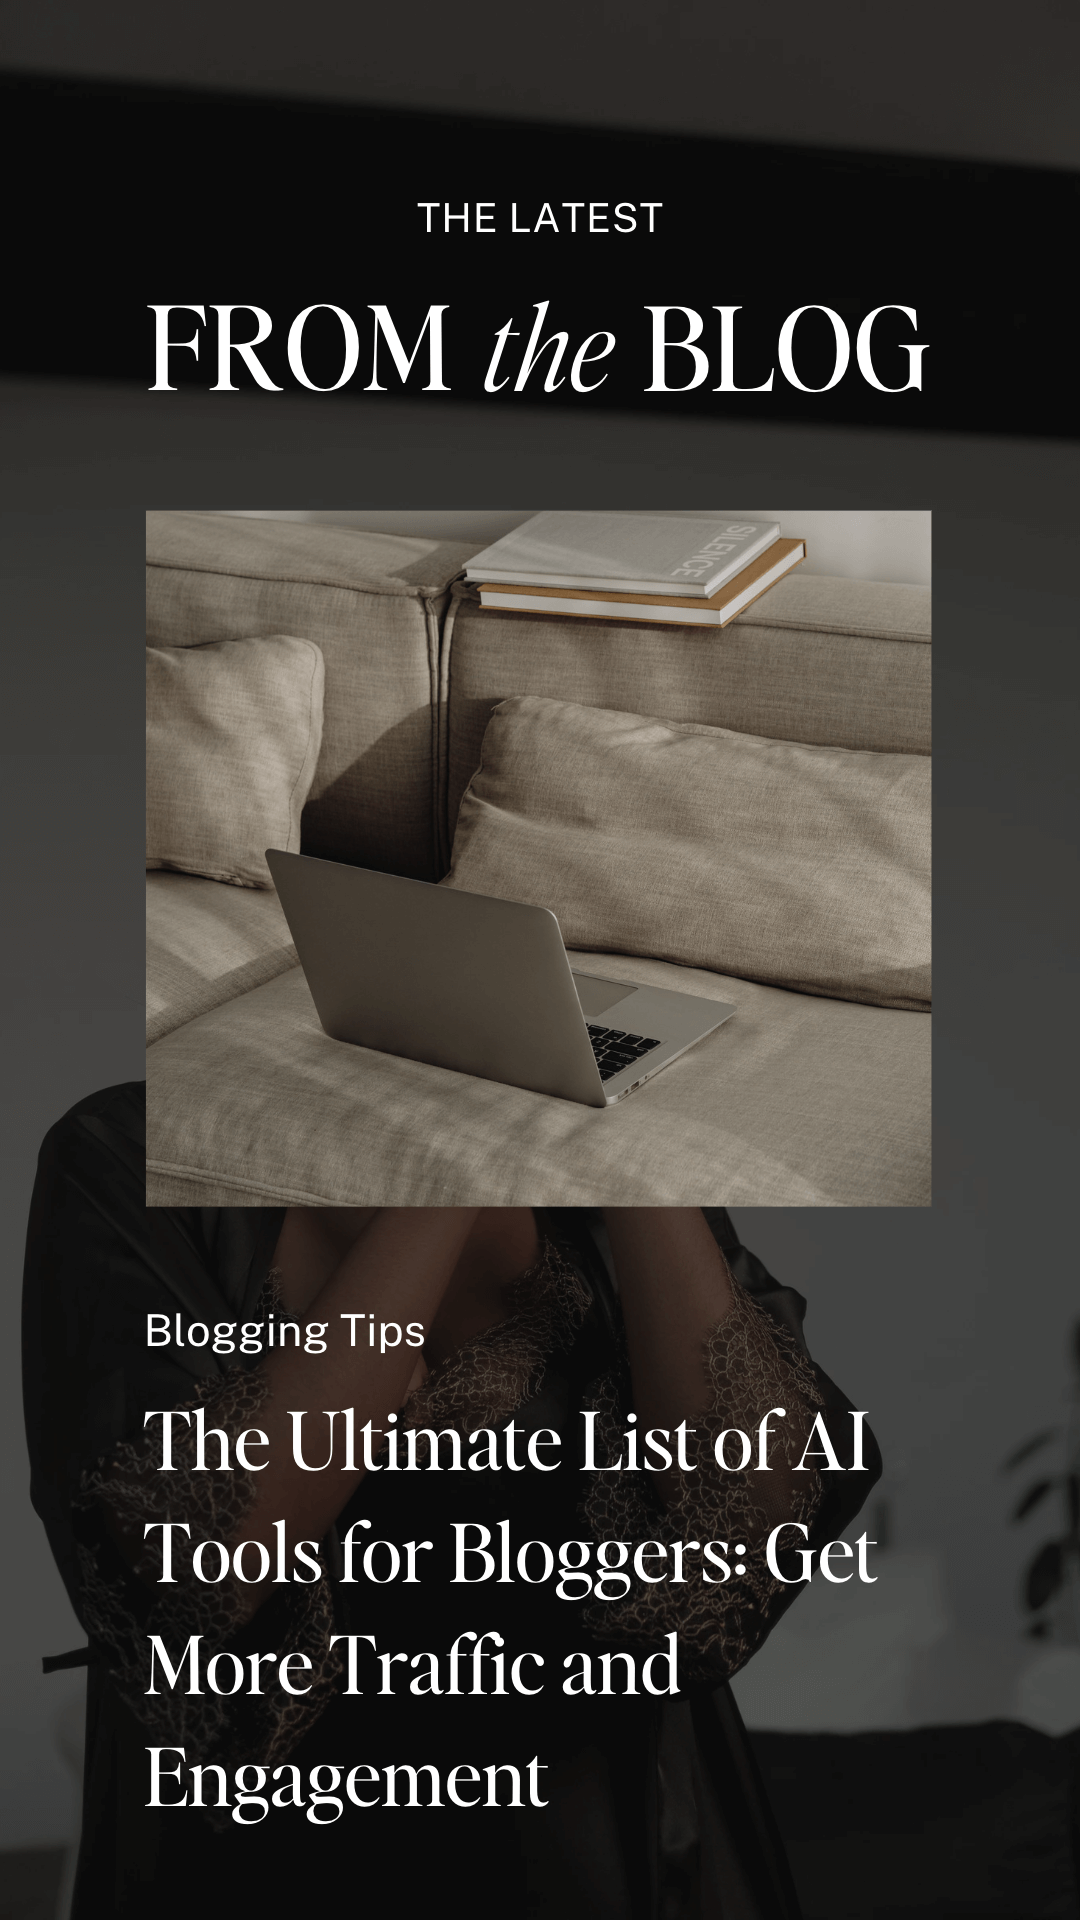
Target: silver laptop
<point x="479" y="985"/>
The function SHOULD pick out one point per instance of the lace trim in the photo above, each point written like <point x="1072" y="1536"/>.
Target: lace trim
<point x="489" y="1377"/>
<point x="752" y="1365"/>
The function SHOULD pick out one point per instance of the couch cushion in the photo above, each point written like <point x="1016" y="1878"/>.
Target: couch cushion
<point x="374" y="604"/>
<point x="796" y="1101"/>
<point x="806" y="867"/>
<point x="842" y="663"/>
<point x="232" y="742"/>
<point x="205" y="943"/>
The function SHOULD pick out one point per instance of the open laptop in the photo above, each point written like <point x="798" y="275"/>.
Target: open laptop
<point x="480" y="985"/>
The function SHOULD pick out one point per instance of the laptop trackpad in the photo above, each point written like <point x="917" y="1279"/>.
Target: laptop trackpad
<point x="596" y="994"/>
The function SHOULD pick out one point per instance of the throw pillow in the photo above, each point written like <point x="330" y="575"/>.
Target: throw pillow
<point x="802" y="866"/>
<point x="233" y="732"/>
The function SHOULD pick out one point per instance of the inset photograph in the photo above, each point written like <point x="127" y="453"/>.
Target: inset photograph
<point x="547" y="859"/>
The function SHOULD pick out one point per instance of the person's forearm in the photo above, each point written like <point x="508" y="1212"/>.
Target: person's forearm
<point x="398" y="1270"/>
<point x="674" y="1287"/>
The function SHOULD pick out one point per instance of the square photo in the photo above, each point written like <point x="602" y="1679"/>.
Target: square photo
<point x="557" y="859"/>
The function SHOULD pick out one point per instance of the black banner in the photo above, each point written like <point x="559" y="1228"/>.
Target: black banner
<point x="546" y="265"/>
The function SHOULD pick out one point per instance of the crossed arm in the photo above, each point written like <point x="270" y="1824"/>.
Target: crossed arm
<point x="450" y="1269"/>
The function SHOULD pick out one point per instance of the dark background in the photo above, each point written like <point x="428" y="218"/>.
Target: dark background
<point x="285" y="203"/>
<point x="951" y="1324"/>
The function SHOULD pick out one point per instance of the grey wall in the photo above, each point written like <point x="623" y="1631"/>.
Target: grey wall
<point x="950" y="1327"/>
<point x="993" y="83"/>
<point x="860" y="545"/>
<point x="70" y="779"/>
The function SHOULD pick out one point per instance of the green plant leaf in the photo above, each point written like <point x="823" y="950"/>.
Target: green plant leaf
<point x="1032" y="1497"/>
<point x="1029" y="1447"/>
<point x="1044" y="1576"/>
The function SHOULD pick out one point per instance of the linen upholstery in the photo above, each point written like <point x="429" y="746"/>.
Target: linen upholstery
<point x="374" y="604"/>
<point x="233" y="731"/>
<point x="205" y="944"/>
<point x="831" y="662"/>
<point x="811" y="1102"/>
<point x="807" y="867"/>
<point x="795" y="1101"/>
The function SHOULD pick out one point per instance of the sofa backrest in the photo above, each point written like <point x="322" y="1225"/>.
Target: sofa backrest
<point x="831" y="662"/>
<point x="375" y="604"/>
<point x="414" y="666"/>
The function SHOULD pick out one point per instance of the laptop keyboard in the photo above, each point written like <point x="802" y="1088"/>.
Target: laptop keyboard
<point x="615" y="1050"/>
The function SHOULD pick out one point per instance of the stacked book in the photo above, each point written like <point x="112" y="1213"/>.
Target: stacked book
<point x="695" y="572"/>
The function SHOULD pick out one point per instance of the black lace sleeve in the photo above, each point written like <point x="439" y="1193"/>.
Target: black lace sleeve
<point x="754" y="1365"/>
<point x="123" y="1603"/>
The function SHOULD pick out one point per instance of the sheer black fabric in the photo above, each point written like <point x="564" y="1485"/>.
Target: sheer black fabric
<point x="656" y="1810"/>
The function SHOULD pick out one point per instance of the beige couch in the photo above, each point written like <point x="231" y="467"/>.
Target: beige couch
<point x="797" y="1101"/>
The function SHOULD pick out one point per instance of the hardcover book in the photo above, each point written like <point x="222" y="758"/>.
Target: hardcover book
<point x="675" y="609"/>
<point x="653" y="553"/>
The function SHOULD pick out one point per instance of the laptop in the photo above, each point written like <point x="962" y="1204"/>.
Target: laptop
<point x="479" y="985"/>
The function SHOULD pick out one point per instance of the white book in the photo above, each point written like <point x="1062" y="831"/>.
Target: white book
<point x="641" y="552"/>
<point x="683" y="612"/>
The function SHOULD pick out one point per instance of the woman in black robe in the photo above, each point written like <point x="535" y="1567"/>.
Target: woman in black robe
<point x="642" y="1805"/>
